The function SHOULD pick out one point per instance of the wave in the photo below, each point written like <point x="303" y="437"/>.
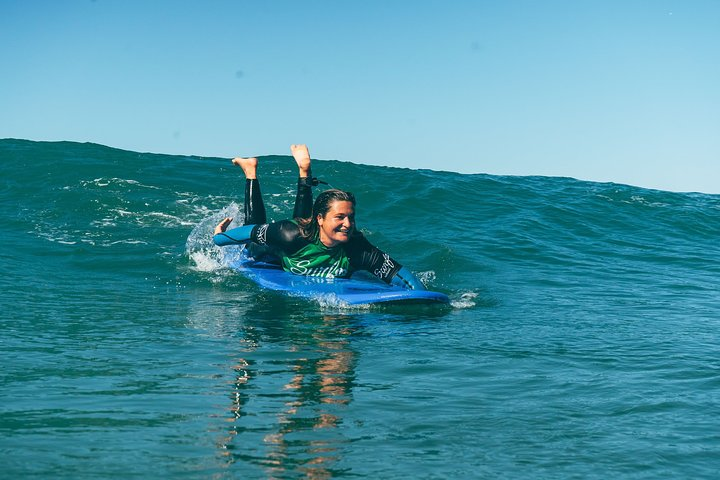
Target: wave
<point x="483" y="239"/>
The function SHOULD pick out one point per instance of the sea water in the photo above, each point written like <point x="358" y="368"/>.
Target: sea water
<point x="581" y="340"/>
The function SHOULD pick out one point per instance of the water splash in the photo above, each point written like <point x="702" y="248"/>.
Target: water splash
<point x="466" y="300"/>
<point x="200" y="248"/>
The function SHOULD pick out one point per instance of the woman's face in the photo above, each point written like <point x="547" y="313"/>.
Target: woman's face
<point x="338" y="223"/>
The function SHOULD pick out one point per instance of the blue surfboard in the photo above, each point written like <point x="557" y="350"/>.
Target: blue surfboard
<point x="350" y="291"/>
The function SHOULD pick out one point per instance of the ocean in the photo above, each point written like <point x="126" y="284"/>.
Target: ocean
<point x="581" y="340"/>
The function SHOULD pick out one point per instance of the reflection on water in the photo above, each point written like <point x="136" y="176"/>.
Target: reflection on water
<point x="293" y="381"/>
<point x="291" y="370"/>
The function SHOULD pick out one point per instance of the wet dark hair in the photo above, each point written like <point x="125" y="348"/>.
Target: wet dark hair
<point x="309" y="227"/>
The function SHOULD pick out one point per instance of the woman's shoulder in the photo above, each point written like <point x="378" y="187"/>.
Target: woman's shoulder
<point x="288" y="223"/>
<point x="287" y="235"/>
<point x="288" y="229"/>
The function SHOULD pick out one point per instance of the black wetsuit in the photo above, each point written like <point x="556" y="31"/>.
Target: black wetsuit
<point x="309" y="256"/>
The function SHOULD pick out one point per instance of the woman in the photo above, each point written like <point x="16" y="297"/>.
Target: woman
<point x="320" y="241"/>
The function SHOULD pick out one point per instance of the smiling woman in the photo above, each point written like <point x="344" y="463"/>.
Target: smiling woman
<point x="333" y="219"/>
<point x="321" y="240"/>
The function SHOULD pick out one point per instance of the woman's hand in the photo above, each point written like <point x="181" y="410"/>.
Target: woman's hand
<point x="222" y="226"/>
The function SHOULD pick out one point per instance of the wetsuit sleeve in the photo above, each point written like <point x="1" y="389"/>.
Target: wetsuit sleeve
<point x="234" y="236"/>
<point x="365" y="256"/>
<point x="284" y="235"/>
<point x="404" y="278"/>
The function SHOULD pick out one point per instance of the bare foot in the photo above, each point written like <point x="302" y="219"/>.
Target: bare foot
<point x="249" y="166"/>
<point x="222" y="226"/>
<point x="302" y="158"/>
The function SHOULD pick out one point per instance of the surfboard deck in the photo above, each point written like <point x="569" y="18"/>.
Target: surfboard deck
<point x="350" y="291"/>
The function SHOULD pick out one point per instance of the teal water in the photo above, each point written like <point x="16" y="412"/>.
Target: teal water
<point x="582" y="339"/>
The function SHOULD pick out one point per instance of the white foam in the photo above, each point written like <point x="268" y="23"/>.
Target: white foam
<point x="128" y="242"/>
<point x="427" y="278"/>
<point x="204" y="262"/>
<point x="104" y="182"/>
<point x="466" y="300"/>
<point x="333" y="302"/>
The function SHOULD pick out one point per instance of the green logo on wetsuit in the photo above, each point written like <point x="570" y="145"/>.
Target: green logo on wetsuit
<point x="317" y="260"/>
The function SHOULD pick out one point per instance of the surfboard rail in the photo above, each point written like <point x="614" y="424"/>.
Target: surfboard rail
<point x="351" y="291"/>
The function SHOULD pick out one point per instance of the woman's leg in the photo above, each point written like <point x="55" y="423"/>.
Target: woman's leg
<point x="254" y="205"/>
<point x="303" y="199"/>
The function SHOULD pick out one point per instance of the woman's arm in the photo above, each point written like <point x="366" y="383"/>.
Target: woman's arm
<point x="404" y="278"/>
<point x="235" y="236"/>
<point x="365" y="256"/>
<point x="284" y="235"/>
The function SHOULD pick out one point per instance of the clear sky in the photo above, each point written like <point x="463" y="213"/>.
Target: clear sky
<point x="609" y="90"/>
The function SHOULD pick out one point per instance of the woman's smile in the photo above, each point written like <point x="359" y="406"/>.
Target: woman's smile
<point x="337" y="224"/>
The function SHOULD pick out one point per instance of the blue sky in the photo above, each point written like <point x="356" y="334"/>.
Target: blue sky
<point x="624" y="91"/>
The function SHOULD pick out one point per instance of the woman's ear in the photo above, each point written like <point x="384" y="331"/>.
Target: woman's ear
<point x="319" y="219"/>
